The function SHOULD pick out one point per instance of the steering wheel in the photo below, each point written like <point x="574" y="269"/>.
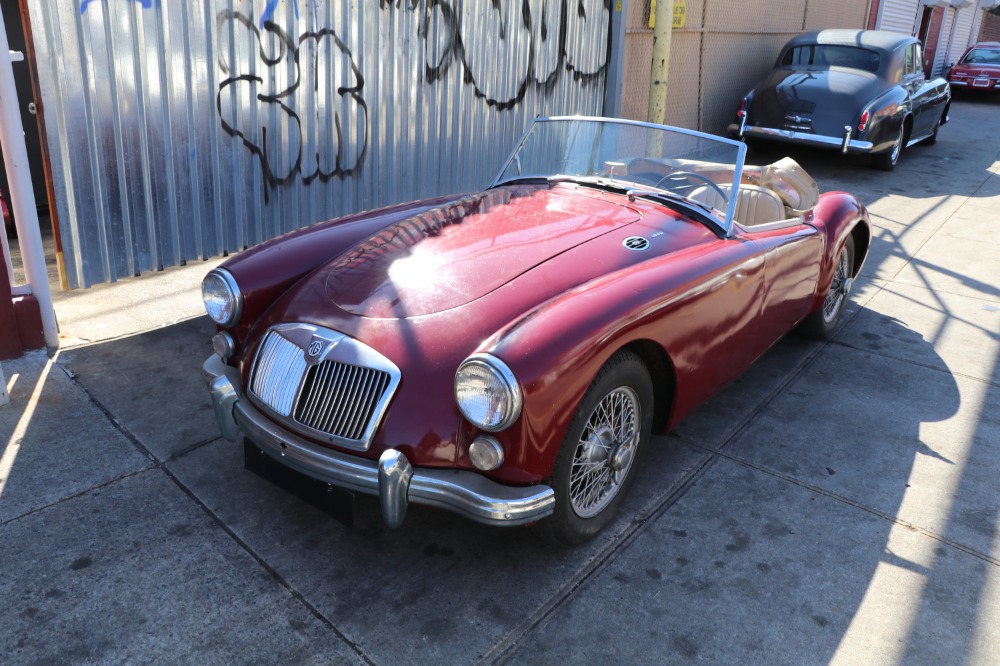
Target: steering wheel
<point x="696" y="176"/>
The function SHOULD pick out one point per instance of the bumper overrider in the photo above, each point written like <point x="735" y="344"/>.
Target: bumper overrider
<point x="845" y="143"/>
<point x="392" y="478"/>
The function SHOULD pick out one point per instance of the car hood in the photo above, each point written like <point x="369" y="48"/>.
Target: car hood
<point x="492" y="258"/>
<point x="449" y="256"/>
<point x="820" y="101"/>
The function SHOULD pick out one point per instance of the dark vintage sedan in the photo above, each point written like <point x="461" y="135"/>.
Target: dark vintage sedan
<point x="979" y="68"/>
<point x="507" y="354"/>
<point x="856" y="91"/>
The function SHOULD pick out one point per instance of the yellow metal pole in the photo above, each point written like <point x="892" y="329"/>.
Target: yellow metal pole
<point x="664" y="17"/>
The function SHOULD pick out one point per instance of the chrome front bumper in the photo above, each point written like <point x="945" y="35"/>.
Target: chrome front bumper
<point x="844" y="143"/>
<point x="392" y="478"/>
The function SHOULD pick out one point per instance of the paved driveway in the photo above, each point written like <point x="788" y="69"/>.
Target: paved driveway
<point x="837" y="503"/>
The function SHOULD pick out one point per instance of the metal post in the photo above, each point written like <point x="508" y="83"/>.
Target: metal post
<point x="15" y="157"/>
<point x="661" y="62"/>
<point x="951" y="36"/>
<point x="878" y="16"/>
<point x="616" y="60"/>
<point x="5" y="250"/>
<point x="4" y="396"/>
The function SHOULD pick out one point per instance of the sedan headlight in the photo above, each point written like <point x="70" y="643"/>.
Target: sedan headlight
<point x="487" y="392"/>
<point x="222" y="297"/>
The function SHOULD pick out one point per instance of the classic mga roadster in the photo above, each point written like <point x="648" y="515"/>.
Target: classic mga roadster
<point x="507" y="354"/>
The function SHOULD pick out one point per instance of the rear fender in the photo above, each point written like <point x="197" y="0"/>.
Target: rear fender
<point x="888" y="111"/>
<point x="836" y="216"/>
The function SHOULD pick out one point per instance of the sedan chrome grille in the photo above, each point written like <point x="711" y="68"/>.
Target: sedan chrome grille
<point x="339" y="399"/>
<point x="323" y="383"/>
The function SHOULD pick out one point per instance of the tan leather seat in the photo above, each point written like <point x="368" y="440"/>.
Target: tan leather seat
<point x="754" y="204"/>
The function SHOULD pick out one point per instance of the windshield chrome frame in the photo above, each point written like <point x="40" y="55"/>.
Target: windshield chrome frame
<point x="727" y="226"/>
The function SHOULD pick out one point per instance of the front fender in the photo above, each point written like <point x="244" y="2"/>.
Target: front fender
<point x="692" y="305"/>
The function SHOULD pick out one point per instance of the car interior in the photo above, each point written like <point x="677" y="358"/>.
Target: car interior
<point x="767" y="194"/>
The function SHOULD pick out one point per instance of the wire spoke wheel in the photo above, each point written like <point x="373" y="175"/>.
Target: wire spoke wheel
<point x="838" y="293"/>
<point x="603" y="447"/>
<point x="821" y="323"/>
<point x="605" y="452"/>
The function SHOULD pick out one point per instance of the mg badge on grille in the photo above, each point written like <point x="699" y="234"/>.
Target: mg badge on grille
<point x="315" y="347"/>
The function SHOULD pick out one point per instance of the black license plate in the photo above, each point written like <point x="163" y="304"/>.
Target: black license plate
<point x="336" y="502"/>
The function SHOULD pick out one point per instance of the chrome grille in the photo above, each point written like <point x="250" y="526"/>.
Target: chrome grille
<point x="278" y="373"/>
<point x="337" y="393"/>
<point x="340" y="399"/>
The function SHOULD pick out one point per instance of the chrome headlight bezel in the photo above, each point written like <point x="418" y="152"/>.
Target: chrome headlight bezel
<point x="505" y="388"/>
<point x="222" y="297"/>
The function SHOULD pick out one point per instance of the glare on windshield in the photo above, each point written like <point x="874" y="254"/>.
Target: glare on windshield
<point x="690" y="165"/>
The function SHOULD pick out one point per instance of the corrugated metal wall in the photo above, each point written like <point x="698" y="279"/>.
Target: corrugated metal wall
<point x="941" y="61"/>
<point x="963" y="35"/>
<point x="959" y="30"/>
<point x="723" y="49"/>
<point x="977" y="26"/>
<point x="899" y="16"/>
<point x="182" y="130"/>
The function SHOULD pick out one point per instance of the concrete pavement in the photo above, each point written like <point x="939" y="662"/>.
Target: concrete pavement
<point x="839" y="503"/>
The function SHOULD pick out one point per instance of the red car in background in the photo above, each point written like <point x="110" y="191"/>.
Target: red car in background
<point x="8" y="219"/>
<point x="979" y="68"/>
<point x="506" y="354"/>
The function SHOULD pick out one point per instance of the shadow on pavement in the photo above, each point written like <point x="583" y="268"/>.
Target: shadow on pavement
<point x="151" y="383"/>
<point x="820" y="533"/>
<point x="789" y="535"/>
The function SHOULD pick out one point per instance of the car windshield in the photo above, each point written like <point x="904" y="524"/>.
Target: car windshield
<point x="982" y="57"/>
<point x="694" y="169"/>
<point x="824" y="56"/>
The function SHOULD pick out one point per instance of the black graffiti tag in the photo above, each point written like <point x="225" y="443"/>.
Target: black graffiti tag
<point x="260" y="107"/>
<point x="501" y="47"/>
<point x="567" y="35"/>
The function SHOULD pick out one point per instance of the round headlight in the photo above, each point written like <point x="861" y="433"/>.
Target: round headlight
<point x="222" y="297"/>
<point x="487" y="392"/>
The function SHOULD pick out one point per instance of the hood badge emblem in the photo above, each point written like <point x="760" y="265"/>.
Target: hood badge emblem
<point x="636" y="243"/>
<point x="315" y="347"/>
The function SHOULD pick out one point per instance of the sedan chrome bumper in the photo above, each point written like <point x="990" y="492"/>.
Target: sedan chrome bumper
<point x="391" y="478"/>
<point x="844" y="143"/>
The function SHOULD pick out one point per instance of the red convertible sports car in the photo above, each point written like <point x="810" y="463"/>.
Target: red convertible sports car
<point x="507" y="354"/>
